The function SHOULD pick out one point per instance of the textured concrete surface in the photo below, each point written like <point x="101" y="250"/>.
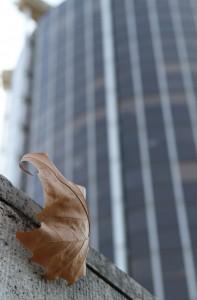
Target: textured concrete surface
<point x="20" y="279"/>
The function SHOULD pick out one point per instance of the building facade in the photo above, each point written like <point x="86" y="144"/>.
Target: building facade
<point x="16" y="117"/>
<point x="115" y="106"/>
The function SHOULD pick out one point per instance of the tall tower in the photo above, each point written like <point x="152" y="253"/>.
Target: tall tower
<point x="114" y="105"/>
<point x="17" y="84"/>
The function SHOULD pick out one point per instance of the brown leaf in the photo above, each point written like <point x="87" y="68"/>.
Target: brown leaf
<point x="61" y="244"/>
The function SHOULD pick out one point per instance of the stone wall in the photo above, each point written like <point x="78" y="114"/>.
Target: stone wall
<point x="20" y="279"/>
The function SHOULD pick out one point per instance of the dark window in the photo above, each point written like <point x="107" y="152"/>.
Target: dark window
<point x="174" y="276"/>
<point x="105" y="237"/>
<point x="141" y="271"/>
<point x="134" y="199"/>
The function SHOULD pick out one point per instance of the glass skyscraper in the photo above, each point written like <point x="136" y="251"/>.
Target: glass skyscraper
<point x="114" y="103"/>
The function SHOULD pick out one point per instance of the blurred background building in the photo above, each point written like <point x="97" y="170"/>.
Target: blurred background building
<point x="113" y="100"/>
<point x="16" y="123"/>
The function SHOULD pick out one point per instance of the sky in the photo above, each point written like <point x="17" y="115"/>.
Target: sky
<point x="12" y="32"/>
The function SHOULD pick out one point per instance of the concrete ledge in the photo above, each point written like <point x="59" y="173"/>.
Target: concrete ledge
<point x="20" y="279"/>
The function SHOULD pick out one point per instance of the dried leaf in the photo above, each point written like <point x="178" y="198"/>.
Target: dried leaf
<point x="61" y="244"/>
